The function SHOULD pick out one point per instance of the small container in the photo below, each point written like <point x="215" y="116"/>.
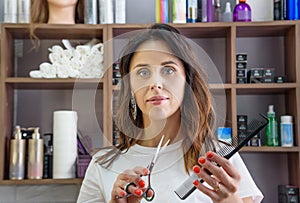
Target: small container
<point x="227" y="15"/>
<point x="286" y="131"/>
<point x="242" y="12"/>
<point x="35" y="155"/>
<point x="17" y="156"/>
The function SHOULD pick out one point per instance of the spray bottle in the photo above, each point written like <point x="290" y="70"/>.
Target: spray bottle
<point x="272" y="128"/>
<point x="35" y="155"/>
<point x="17" y="155"/>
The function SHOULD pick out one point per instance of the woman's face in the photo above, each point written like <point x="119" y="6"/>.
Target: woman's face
<point x="157" y="80"/>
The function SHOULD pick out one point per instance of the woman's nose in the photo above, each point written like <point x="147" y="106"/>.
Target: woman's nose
<point x="156" y="85"/>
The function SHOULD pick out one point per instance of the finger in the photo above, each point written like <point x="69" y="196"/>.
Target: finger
<point x="216" y="196"/>
<point x="207" y="177"/>
<point x="224" y="163"/>
<point x="134" y="190"/>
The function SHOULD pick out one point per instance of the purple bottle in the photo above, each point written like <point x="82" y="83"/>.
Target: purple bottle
<point x="242" y="12"/>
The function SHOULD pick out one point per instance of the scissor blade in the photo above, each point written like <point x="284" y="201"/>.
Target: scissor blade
<point x="157" y="149"/>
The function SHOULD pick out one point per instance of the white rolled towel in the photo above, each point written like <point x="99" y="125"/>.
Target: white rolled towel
<point x="47" y="70"/>
<point x="35" y="74"/>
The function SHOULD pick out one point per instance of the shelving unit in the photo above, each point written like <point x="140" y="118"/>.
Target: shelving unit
<point x="268" y="44"/>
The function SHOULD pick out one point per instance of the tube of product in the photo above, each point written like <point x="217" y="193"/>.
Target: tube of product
<point x="23" y="11"/>
<point x="90" y="12"/>
<point x="35" y="155"/>
<point x="10" y="11"/>
<point x="106" y="10"/>
<point x="17" y="156"/>
<point x="192" y="10"/>
<point x="120" y="12"/>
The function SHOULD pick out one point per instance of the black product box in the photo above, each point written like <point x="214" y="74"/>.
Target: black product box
<point x="280" y="79"/>
<point x="242" y="118"/>
<point x="288" y="194"/>
<point x="256" y="80"/>
<point x="268" y="72"/>
<point x="268" y="79"/>
<point x="242" y="134"/>
<point x="241" y="80"/>
<point x="241" y="64"/>
<point x="256" y="72"/>
<point x="255" y="141"/>
<point x="241" y="57"/>
<point x="241" y="73"/>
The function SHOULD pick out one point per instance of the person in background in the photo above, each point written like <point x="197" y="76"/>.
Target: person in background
<point x="164" y="93"/>
<point x="57" y="11"/>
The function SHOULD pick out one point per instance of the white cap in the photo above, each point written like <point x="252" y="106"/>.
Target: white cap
<point x="286" y="119"/>
<point x="227" y="8"/>
<point x="271" y="109"/>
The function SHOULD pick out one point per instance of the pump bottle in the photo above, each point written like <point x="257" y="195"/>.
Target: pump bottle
<point x="242" y="12"/>
<point x="17" y="155"/>
<point x="35" y="155"/>
<point x="227" y="15"/>
<point x="272" y="128"/>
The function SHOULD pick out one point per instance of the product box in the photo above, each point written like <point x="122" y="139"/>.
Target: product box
<point x="241" y="80"/>
<point x="224" y="134"/>
<point x="241" y="57"/>
<point x="82" y="164"/>
<point x="241" y="64"/>
<point x="288" y="194"/>
<point x="241" y="73"/>
<point x="242" y="118"/>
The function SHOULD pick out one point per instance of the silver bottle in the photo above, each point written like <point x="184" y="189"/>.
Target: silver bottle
<point x="17" y="156"/>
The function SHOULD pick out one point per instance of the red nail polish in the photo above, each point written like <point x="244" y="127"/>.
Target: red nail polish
<point x="138" y="192"/>
<point x="142" y="183"/>
<point x="196" y="182"/>
<point x="201" y="160"/>
<point x="209" y="154"/>
<point x="122" y="193"/>
<point x="196" y="169"/>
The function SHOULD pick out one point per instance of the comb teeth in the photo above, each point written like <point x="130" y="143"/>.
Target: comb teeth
<point x="225" y="150"/>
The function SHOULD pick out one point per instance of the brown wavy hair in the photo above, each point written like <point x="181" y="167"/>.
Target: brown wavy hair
<point x="39" y="14"/>
<point x="197" y="111"/>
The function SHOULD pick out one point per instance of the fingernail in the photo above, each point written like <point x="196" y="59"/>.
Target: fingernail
<point x="138" y="192"/>
<point x="196" y="169"/>
<point x="201" y="160"/>
<point x="196" y="182"/>
<point x="142" y="183"/>
<point x="145" y="171"/>
<point x="209" y="154"/>
<point x="122" y="193"/>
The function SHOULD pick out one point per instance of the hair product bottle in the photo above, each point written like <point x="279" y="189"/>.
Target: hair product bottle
<point x="35" y="155"/>
<point x="227" y="15"/>
<point x="17" y="155"/>
<point x="242" y="12"/>
<point x="272" y="128"/>
<point x="286" y="131"/>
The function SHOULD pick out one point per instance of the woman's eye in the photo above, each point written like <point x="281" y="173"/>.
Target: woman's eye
<point x="143" y="72"/>
<point x="168" y="70"/>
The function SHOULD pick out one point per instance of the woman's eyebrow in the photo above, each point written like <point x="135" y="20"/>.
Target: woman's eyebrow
<point x="141" y="65"/>
<point x="168" y="62"/>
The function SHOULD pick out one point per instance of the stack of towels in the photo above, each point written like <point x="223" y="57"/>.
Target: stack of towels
<point x="83" y="61"/>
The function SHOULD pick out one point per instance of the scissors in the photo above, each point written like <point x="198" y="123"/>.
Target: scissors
<point x="150" y="167"/>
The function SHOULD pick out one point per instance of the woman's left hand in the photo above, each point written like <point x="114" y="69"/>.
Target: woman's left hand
<point x="220" y="175"/>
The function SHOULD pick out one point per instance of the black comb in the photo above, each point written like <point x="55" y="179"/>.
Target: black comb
<point x="227" y="151"/>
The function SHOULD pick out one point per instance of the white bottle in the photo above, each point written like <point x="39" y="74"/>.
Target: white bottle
<point x="227" y="15"/>
<point x="286" y="131"/>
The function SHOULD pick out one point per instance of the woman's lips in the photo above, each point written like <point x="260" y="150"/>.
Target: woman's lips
<point x="157" y="100"/>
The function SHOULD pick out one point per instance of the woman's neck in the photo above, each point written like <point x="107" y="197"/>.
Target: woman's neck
<point x="168" y="128"/>
<point x="61" y="15"/>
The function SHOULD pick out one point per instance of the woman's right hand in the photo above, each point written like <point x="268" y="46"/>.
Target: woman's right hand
<point x="119" y="194"/>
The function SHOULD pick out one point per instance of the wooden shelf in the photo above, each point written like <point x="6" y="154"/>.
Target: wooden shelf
<point x="41" y="182"/>
<point x="271" y="149"/>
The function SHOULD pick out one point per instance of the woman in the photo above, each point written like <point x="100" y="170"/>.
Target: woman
<point x="57" y="11"/>
<point x="165" y="93"/>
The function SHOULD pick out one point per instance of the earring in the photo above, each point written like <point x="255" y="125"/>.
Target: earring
<point x="133" y="107"/>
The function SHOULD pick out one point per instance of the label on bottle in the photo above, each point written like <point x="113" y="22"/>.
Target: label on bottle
<point x="244" y="16"/>
<point x="286" y="131"/>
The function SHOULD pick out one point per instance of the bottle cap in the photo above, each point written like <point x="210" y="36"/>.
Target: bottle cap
<point x="271" y="109"/>
<point x="242" y="1"/>
<point x="286" y="119"/>
<point x="228" y="7"/>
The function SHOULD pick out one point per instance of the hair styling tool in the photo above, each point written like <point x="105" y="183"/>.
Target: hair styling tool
<point x="225" y="150"/>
